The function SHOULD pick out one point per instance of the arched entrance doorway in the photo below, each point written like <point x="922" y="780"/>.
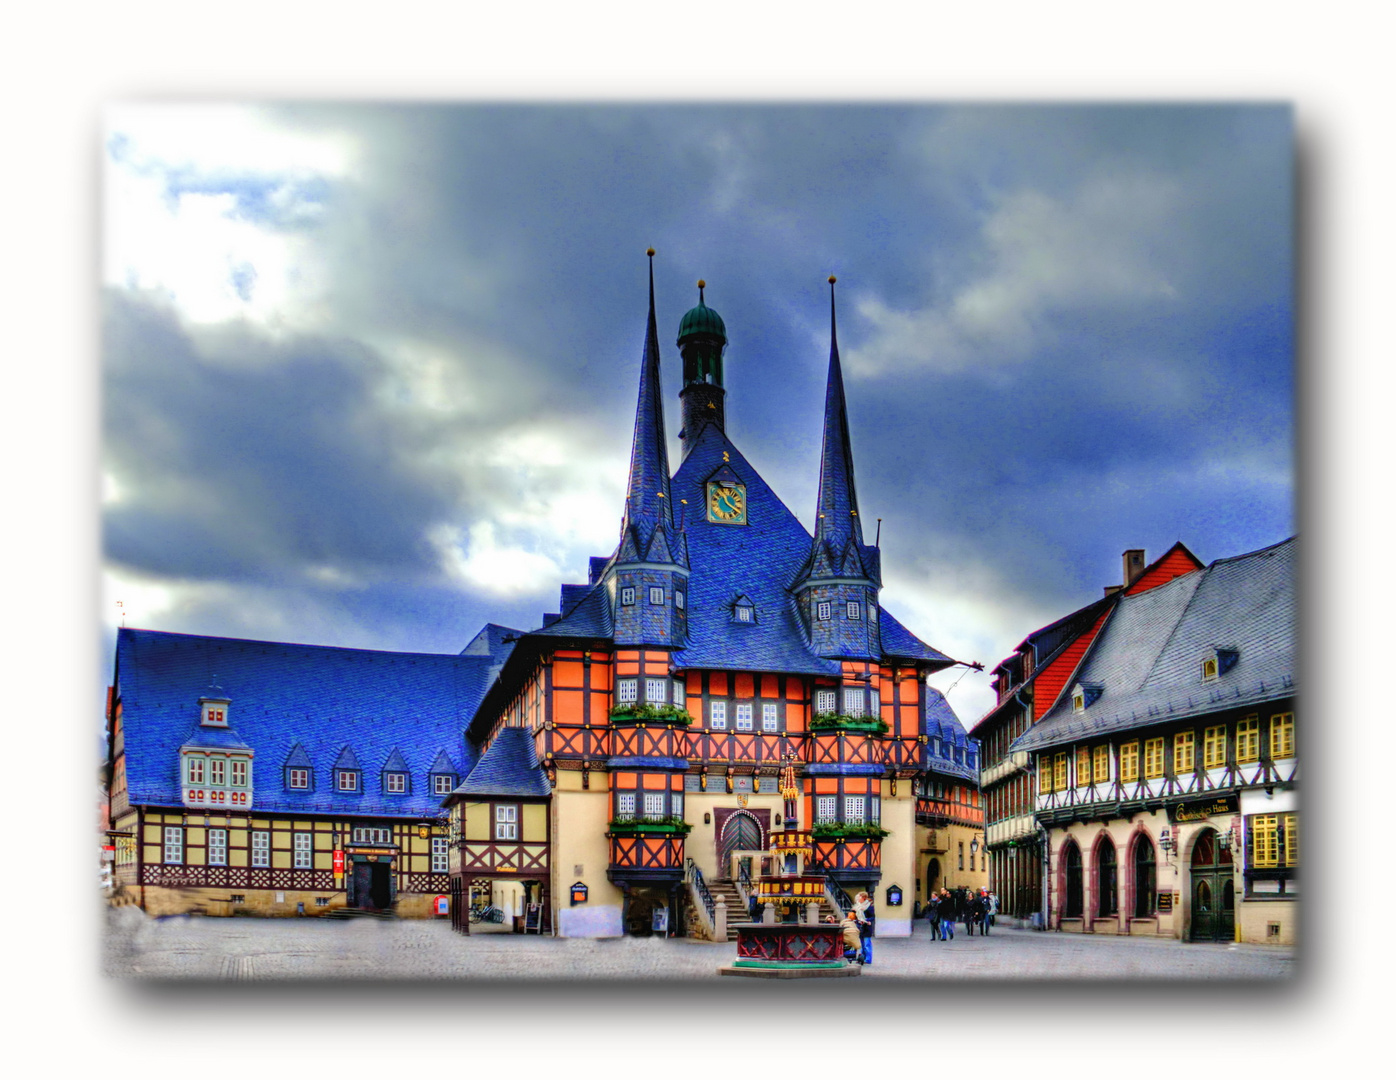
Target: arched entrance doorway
<point x="932" y="878"/>
<point x="1213" y="890"/>
<point x="1073" y="902"/>
<point x="742" y="832"/>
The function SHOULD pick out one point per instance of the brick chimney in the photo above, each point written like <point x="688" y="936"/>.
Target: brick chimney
<point x="1134" y="565"/>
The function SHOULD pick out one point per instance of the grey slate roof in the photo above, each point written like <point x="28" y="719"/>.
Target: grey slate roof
<point x="948" y="748"/>
<point x="509" y="767"/>
<point x="1147" y="658"/>
<point x="216" y="739"/>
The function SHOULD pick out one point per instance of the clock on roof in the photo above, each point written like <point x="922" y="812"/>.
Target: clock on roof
<point x="726" y="502"/>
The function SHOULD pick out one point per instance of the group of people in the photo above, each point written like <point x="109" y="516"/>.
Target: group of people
<point x="858" y="925"/>
<point x="945" y="908"/>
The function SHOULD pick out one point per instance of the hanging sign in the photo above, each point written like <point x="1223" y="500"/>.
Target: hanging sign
<point x="339" y="860"/>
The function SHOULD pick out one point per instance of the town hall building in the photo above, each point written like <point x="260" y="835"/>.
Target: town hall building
<point x="609" y="772"/>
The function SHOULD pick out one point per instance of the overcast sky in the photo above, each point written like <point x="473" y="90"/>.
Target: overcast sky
<point x="370" y="372"/>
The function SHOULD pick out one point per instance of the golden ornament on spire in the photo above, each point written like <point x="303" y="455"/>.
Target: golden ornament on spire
<point x="649" y="252"/>
<point x="832" y="279"/>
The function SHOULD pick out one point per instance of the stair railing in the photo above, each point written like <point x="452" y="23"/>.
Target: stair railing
<point x="703" y="902"/>
<point x="839" y="900"/>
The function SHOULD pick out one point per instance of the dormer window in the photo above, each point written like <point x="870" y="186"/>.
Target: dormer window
<point x="395" y="783"/>
<point x="298" y="779"/>
<point x="346" y="780"/>
<point x="1217" y="663"/>
<point x="213" y="712"/>
<point x="442" y="783"/>
<point x="1084" y="696"/>
<point x="743" y="610"/>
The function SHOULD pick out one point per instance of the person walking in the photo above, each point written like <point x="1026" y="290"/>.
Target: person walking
<point x="986" y="917"/>
<point x="948" y="915"/>
<point x="933" y="915"/>
<point x="867" y="917"/>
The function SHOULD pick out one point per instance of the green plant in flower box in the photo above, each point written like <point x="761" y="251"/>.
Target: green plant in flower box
<point x="659" y="714"/>
<point x="828" y="721"/>
<point x="852" y="830"/>
<point x="631" y="825"/>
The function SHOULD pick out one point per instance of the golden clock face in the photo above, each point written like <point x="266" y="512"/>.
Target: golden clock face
<point x="727" y="503"/>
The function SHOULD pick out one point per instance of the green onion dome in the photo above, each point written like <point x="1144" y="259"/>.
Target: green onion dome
<point x="701" y="320"/>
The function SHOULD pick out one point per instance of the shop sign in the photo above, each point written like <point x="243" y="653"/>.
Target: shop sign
<point x="579" y="893"/>
<point x="1199" y="811"/>
<point x="1165" y="901"/>
<point x="339" y="860"/>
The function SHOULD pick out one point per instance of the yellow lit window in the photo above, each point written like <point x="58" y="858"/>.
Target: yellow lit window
<point x="1265" y="841"/>
<point x="1059" y="773"/>
<point x="1083" y="765"/>
<point x="1102" y="764"/>
<point x="1282" y="735"/>
<point x="1248" y="739"/>
<point x="1129" y="761"/>
<point x="1291" y="828"/>
<point x="1153" y="758"/>
<point x="1214" y="746"/>
<point x="1184" y="752"/>
<point x="1209" y="668"/>
<point x="1044" y="774"/>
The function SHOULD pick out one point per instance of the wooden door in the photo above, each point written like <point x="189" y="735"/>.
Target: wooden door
<point x="1213" y="891"/>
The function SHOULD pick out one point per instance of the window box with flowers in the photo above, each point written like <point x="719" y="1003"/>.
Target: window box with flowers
<point x="634" y="713"/>
<point x="641" y="826"/>
<point x="841" y="722"/>
<point x="852" y="830"/>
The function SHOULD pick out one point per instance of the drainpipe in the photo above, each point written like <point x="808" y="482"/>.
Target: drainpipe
<point x="1046" y="873"/>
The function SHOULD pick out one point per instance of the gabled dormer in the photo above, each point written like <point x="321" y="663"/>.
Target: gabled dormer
<point x="213" y="709"/>
<point x="1084" y="695"/>
<point x="743" y="610"/>
<point x="348" y="773"/>
<point x="442" y="775"/>
<point x="395" y="778"/>
<point x="1217" y="661"/>
<point x="298" y="772"/>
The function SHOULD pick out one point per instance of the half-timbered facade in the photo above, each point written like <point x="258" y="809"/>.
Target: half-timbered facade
<point x="1028" y="683"/>
<point x="949" y="805"/>
<point x="1168" y="773"/>
<point x="594" y="767"/>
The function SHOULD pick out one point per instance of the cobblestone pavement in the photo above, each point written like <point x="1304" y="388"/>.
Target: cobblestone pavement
<point x="139" y="947"/>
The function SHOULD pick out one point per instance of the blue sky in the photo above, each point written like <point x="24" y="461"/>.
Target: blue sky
<point x="369" y="371"/>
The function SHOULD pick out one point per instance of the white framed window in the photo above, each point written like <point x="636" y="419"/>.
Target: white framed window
<point x="441" y="784"/>
<point x="680" y="693"/>
<point x="853" y="702"/>
<point x="439" y="862"/>
<point x="396" y="783"/>
<point x="506" y="821"/>
<point x="874" y="703"/>
<point x="679" y="599"/>
<point x="875" y="809"/>
<point x="627" y="595"/>
<point x="300" y="847"/>
<point x="654" y="804"/>
<point x="627" y="691"/>
<point x="855" y="610"/>
<point x="744" y="717"/>
<point x="825" y="701"/>
<point x="717" y="715"/>
<point x="854" y="809"/>
<point x="218" y="847"/>
<point x="770" y="721"/>
<point x="298" y="778"/>
<point x="872" y="611"/>
<point x="743" y="612"/>
<point x="657" y="595"/>
<point x="625" y="804"/>
<point x="261" y="848"/>
<point x="237" y="772"/>
<point x="196" y="770"/>
<point x="217" y="771"/>
<point x="174" y="845"/>
<point x="825" y="808"/>
<point x="825" y="611"/>
<point x="657" y="691"/>
<point x="347" y="780"/>
<point x="676" y="803"/>
<point x="367" y="834"/>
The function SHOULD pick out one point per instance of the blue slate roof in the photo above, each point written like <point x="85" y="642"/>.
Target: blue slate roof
<point x="215" y="739"/>
<point x="1147" y="658"/>
<point x="948" y="748"/>
<point x="509" y="767"/>
<point x="319" y="699"/>
<point x="836" y="520"/>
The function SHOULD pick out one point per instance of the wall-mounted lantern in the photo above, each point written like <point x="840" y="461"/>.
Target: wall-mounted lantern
<point x="707" y="819"/>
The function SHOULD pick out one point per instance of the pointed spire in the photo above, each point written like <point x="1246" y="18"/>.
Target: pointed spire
<point x="647" y="495"/>
<point x="837" y="514"/>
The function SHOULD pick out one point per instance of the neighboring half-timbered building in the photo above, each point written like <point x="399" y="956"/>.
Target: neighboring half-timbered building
<point x="604" y="768"/>
<point x="1168" y="774"/>
<point x="1028" y="684"/>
